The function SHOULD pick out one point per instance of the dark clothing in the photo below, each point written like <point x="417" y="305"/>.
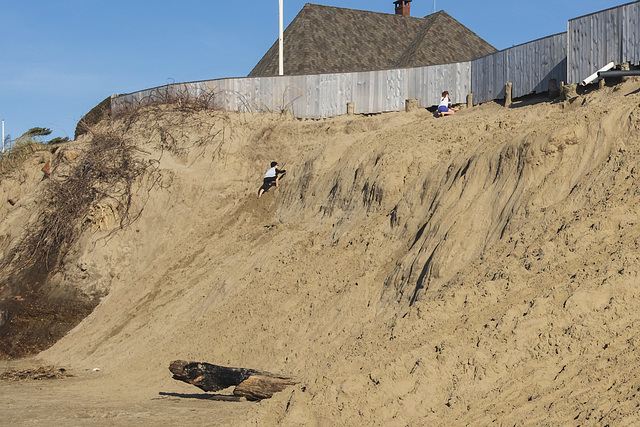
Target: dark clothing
<point x="270" y="179"/>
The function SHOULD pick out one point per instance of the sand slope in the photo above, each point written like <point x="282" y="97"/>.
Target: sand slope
<point x="475" y="269"/>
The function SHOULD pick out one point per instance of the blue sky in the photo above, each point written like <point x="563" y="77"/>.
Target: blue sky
<point x="60" y="58"/>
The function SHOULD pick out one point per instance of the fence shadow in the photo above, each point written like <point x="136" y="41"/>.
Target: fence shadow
<point x="531" y="99"/>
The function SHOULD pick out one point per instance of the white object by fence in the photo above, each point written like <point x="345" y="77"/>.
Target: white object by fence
<point x="594" y="76"/>
<point x="611" y="35"/>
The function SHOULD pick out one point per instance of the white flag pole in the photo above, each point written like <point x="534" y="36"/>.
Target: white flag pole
<point x="2" y="136"/>
<point x="280" y="43"/>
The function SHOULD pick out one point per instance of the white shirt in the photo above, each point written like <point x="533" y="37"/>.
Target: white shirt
<point x="270" y="173"/>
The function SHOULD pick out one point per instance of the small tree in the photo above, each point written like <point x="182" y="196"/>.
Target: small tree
<point x="34" y="135"/>
<point x="35" y="132"/>
<point x="58" y="140"/>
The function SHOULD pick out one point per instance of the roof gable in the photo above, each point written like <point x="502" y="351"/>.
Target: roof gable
<point x="443" y="40"/>
<point x="325" y="39"/>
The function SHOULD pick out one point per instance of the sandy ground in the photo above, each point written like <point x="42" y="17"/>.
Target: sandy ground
<point x="470" y="270"/>
<point x="85" y="399"/>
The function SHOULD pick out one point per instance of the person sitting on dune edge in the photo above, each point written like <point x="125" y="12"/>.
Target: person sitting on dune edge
<point x="271" y="178"/>
<point x="445" y="109"/>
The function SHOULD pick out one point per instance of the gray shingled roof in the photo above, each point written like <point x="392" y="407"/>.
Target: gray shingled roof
<point x="325" y="39"/>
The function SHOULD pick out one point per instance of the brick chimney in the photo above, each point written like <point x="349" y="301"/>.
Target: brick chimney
<point x="403" y="7"/>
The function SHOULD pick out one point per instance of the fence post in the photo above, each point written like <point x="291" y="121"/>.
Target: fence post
<point x="553" y="89"/>
<point x="569" y="91"/>
<point x="507" y="94"/>
<point x="351" y="108"/>
<point x="625" y="67"/>
<point x="470" y="100"/>
<point x="410" y="105"/>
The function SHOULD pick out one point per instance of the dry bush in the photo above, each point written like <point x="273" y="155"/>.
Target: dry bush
<point x="39" y="373"/>
<point x="172" y="130"/>
<point x="81" y="195"/>
<point x="178" y="95"/>
<point x="200" y="96"/>
<point x="31" y="319"/>
<point x="104" y="174"/>
<point x="15" y="158"/>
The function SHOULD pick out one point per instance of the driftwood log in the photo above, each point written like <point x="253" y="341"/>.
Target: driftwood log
<point x="250" y="383"/>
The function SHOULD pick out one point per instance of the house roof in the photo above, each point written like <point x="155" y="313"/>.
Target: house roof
<point x="326" y="39"/>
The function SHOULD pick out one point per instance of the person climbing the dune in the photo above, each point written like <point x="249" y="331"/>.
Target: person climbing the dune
<point x="271" y="178"/>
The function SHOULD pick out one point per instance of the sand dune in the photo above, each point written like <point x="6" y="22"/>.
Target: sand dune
<point x="474" y="269"/>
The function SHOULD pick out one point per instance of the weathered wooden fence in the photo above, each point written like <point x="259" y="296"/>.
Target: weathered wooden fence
<point x="320" y="95"/>
<point x="611" y="35"/>
<point x="529" y="67"/>
<point x="325" y="95"/>
<point x="591" y="42"/>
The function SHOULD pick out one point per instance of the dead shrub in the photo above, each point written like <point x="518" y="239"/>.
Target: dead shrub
<point x="15" y="158"/>
<point x="104" y="174"/>
<point x="79" y="195"/>
<point x="171" y="130"/>
<point x="35" y="374"/>
<point x="178" y="96"/>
